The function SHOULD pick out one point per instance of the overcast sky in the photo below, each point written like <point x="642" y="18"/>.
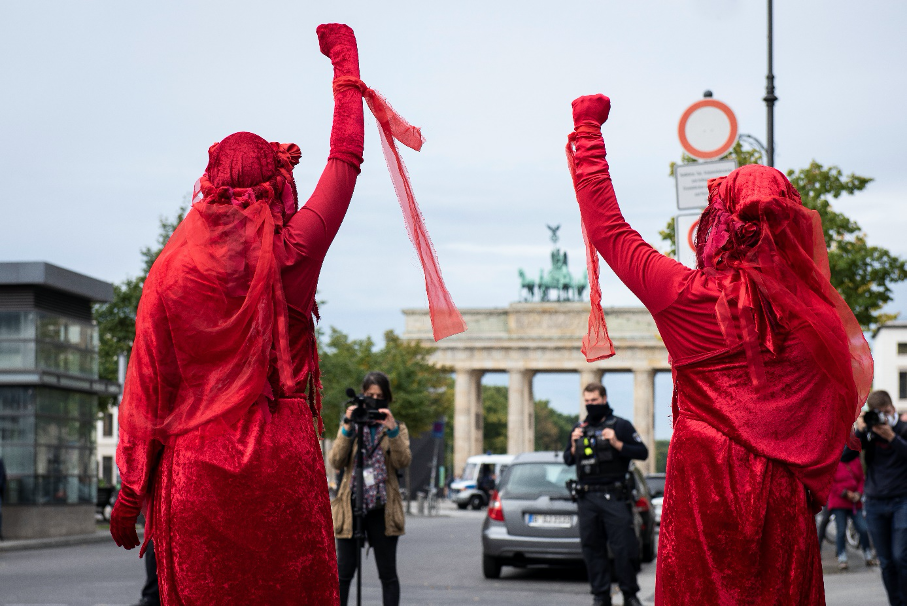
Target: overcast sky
<point x="108" y="109"/>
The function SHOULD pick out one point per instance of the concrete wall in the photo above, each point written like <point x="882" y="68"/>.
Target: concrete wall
<point x="44" y="521"/>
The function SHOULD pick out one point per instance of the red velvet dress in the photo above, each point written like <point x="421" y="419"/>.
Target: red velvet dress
<point x="747" y="466"/>
<point x="217" y="435"/>
<point x="242" y="517"/>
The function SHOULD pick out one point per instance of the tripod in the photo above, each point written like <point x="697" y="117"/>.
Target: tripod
<point x="363" y="415"/>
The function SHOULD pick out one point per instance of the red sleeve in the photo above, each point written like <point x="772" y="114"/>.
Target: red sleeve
<point x="653" y="277"/>
<point x="311" y="230"/>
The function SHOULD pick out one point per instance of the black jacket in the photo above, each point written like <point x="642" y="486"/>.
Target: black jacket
<point x="633" y="448"/>
<point x="887" y="466"/>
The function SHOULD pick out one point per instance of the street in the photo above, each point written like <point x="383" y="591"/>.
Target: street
<point x="438" y="564"/>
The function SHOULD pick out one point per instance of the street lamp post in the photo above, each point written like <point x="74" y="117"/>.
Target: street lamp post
<point x="770" y="97"/>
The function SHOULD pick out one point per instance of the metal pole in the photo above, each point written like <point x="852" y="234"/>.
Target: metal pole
<point x="770" y="97"/>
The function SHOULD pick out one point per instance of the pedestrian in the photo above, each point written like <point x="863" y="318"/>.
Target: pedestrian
<point x="769" y="366"/>
<point x="386" y="446"/>
<point x="150" y="594"/>
<point x="882" y="435"/>
<point x="219" y="414"/>
<point x="602" y="447"/>
<point x="844" y="503"/>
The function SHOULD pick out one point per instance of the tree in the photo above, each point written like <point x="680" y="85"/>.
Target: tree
<point x="863" y="274"/>
<point x="495" y="418"/>
<point x="553" y="429"/>
<point x="420" y="389"/>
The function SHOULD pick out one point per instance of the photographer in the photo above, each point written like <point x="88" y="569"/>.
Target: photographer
<point x="386" y="449"/>
<point x="882" y="437"/>
<point x="602" y="447"/>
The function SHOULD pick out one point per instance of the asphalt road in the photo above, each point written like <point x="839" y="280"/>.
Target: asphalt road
<point x="438" y="562"/>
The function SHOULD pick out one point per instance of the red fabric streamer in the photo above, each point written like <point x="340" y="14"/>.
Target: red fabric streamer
<point x="596" y="344"/>
<point x="446" y="319"/>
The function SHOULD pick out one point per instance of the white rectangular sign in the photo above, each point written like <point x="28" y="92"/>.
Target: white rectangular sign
<point x="691" y="179"/>
<point x="685" y="237"/>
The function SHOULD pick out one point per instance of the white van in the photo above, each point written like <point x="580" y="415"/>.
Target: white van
<point x="472" y="489"/>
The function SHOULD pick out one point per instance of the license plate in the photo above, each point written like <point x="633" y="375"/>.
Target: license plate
<point x="546" y="520"/>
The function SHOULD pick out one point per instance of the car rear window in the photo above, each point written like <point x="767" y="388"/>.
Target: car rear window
<point x="532" y="480"/>
<point x="656" y="486"/>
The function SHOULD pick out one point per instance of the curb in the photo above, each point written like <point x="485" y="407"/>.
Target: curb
<point x="101" y="536"/>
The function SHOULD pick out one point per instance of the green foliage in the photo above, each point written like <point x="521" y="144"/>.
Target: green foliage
<point x="420" y="389"/>
<point x="661" y="455"/>
<point x="863" y="274"/>
<point x="494" y="419"/>
<point x="553" y="429"/>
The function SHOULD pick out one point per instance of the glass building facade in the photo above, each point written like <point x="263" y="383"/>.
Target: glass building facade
<point x="47" y="433"/>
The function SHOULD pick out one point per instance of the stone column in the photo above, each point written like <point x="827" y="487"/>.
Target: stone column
<point x="516" y="412"/>
<point x="587" y="376"/>
<point x="521" y="413"/>
<point x="467" y="416"/>
<point x="643" y="415"/>
<point x="529" y="435"/>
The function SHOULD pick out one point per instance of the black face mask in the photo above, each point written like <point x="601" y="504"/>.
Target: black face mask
<point x="597" y="412"/>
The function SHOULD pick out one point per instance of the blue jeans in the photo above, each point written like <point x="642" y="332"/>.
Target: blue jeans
<point x="887" y="520"/>
<point x="841" y="522"/>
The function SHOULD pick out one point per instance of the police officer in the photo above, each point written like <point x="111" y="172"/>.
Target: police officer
<point x="602" y="447"/>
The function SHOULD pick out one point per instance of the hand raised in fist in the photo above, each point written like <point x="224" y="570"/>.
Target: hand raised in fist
<point x="591" y="110"/>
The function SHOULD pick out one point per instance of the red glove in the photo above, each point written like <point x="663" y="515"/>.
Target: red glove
<point x="591" y="110"/>
<point x="337" y="42"/>
<point x="123" y="519"/>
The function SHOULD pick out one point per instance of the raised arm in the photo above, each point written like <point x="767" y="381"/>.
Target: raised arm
<point x="310" y="231"/>
<point x="650" y="275"/>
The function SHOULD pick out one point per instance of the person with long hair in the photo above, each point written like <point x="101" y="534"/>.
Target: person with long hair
<point x="386" y="450"/>
<point x="218" y="421"/>
<point x="770" y="369"/>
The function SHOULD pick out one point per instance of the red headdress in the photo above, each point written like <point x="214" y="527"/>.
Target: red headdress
<point x="756" y="227"/>
<point x="213" y="317"/>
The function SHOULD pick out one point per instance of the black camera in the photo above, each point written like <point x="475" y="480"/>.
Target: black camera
<point x="366" y="410"/>
<point x="872" y="417"/>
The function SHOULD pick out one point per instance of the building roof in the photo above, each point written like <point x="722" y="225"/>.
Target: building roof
<point x="894" y="324"/>
<point x="39" y="273"/>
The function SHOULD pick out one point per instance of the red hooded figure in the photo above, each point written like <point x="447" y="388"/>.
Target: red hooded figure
<point x="218" y="421"/>
<point x="770" y="369"/>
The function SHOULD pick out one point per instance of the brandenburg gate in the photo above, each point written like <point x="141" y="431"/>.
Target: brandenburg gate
<point x="531" y="337"/>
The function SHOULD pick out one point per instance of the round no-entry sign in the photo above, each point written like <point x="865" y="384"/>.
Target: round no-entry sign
<point x="708" y="129"/>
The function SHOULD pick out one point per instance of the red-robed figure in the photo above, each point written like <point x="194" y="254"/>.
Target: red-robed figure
<point x="770" y="369"/>
<point x="218" y="421"/>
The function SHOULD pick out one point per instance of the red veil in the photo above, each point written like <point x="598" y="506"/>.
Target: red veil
<point x="212" y="315"/>
<point x="756" y="226"/>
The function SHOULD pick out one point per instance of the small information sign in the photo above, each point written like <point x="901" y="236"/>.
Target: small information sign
<point x="685" y="239"/>
<point x="691" y="180"/>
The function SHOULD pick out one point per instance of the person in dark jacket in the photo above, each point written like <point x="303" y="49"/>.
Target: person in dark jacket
<point x="882" y="437"/>
<point x="602" y="447"/>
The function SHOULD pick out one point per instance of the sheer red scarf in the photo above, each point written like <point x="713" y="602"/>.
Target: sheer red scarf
<point x="446" y="319"/>
<point x="596" y="343"/>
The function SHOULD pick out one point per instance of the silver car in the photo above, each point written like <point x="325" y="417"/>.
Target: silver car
<point x="532" y="520"/>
